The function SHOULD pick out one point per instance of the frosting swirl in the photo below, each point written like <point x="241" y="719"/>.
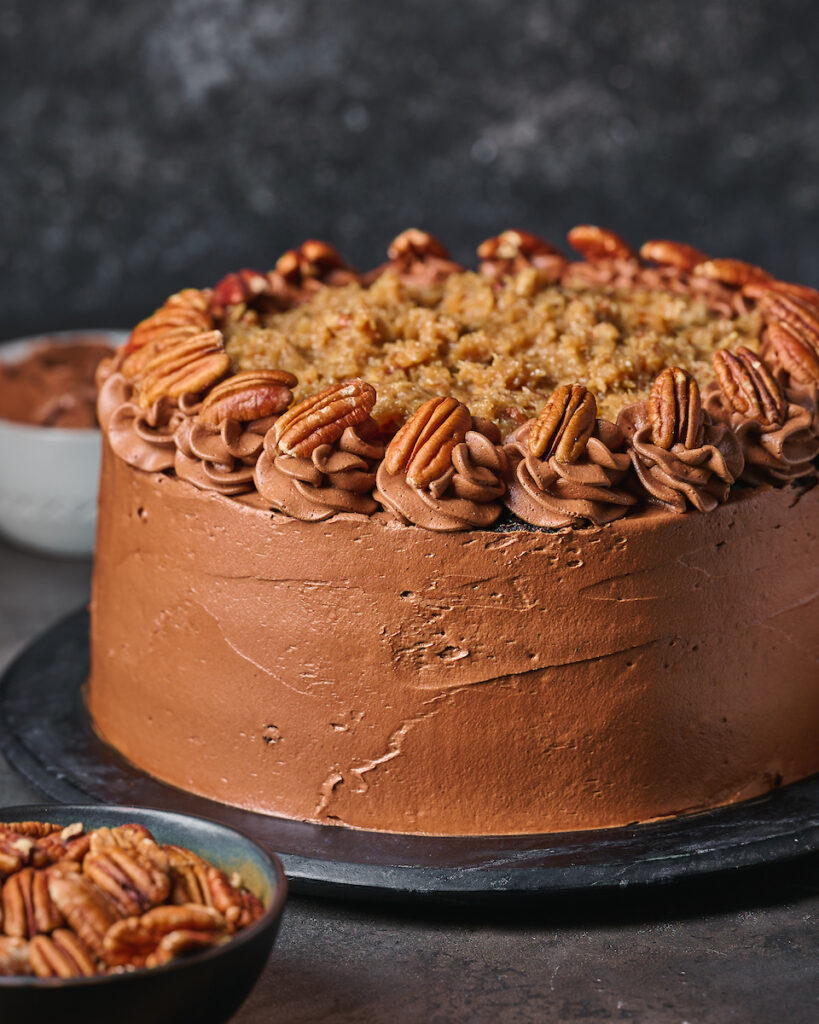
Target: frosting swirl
<point x="337" y="477"/>
<point x="219" y="457"/>
<point x="554" y="493"/>
<point x="465" y="496"/>
<point x="144" y="438"/>
<point x="701" y="475"/>
<point x="775" y="454"/>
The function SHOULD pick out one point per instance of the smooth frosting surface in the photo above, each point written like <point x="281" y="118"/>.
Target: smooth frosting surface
<point x="365" y="672"/>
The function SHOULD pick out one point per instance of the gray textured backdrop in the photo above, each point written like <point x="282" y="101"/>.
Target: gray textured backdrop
<point x="149" y="144"/>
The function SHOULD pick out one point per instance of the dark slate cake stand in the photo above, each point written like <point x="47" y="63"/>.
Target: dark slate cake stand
<point x="46" y="734"/>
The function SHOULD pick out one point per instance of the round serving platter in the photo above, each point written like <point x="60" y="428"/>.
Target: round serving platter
<point x="47" y="736"/>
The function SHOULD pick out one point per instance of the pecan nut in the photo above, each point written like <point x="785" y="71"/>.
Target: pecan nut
<point x="759" y="289"/>
<point x="750" y="387"/>
<point x="414" y="244"/>
<point x="182" y="942"/>
<point x="195" y="881"/>
<point x="186" y="310"/>
<point x="32" y="829"/>
<point x="134" y="939"/>
<point x="672" y="254"/>
<point x="322" y="418"/>
<point x="595" y="244"/>
<point x="88" y="911"/>
<point x="312" y="260"/>
<point x="794" y="351"/>
<point x="14" y="956"/>
<point x="61" y="955"/>
<point x="730" y="272"/>
<point x="28" y="908"/>
<point x="189" y="366"/>
<point x="675" y="410"/>
<point x="252" y="395"/>
<point x="795" y="312"/>
<point x="512" y="251"/>
<point x="564" y="425"/>
<point x="15" y="851"/>
<point x="422" y="448"/>
<point x="133" y="871"/>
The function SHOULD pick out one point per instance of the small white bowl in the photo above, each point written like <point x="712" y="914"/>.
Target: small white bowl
<point x="49" y="475"/>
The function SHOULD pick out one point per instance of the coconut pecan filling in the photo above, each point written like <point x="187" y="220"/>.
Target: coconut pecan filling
<point x="533" y="348"/>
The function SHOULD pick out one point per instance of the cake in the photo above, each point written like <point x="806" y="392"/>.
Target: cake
<point x="525" y="549"/>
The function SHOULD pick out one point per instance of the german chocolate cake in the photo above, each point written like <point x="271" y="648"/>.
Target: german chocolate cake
<point x="525" y="549"/>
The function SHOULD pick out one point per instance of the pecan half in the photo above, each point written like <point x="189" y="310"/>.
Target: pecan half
<point x="750" y="387"/>
<point x="734" y="273"/>
<point x="186" y="310"/>
<point x="672" y="254"/>
<point x="512" y="251"/>
<point x="87" y="910"/>
<point x="69" y="844"/>
<point x="27" y="906"/>
<point x="756" y="290"/>
<point x="61" y="955"/>
<point x="247" y="396"/>
<point x="422" y="448"/>
<point x="32" y="829"/>
<point x="15" y="851"/>
<point x="196" y="881"/>
<point x="794" y="351"/>
<point x="182" y="942"/>
<point x="595" y="244"/>
<point x="674" y="409"/>
<point x="312" y="260"/>
<point x="414" y="244"/>
<point x="795" y="312"/>
<point x="564" y="425"/>
<point x="135" y="876"/>
<point x="14" y="957"/>
<point x="189" y="366"/>
<point x="322" y="418"/>
<point x="133" y="940"/>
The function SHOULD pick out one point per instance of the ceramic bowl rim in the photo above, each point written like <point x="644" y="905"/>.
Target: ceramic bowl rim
<point x="272" y="913"/>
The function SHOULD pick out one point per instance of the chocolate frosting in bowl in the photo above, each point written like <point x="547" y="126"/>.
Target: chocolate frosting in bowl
<point x="361" y="671"/>
<point x="53" y="385"/>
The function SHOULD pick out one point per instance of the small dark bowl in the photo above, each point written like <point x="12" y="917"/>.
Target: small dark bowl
<point x="206" y="988"/>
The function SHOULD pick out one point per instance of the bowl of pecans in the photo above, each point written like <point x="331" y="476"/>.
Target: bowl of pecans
<point x="131" y="914"/>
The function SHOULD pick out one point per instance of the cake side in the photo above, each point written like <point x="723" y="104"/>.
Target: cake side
<point x="383" y="676"/>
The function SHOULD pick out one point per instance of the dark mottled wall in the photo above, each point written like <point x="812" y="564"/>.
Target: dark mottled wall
<point x="149" y="144"/>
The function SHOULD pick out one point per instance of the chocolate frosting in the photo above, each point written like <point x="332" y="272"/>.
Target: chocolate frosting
<point x="219" y="457"/>
<point x="672" y="478"/>
<point x="546" y="492"/>
<point x="772" y="455"/>
<point x="144" y="438"/>
<point x="465" y="497"/>
<point x="367" y="674"/>
<point x="53" y="386"/>
<point x="337" y="477"/>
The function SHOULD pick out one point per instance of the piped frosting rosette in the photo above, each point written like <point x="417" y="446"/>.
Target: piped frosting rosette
<point x="777" y="436"/>
<point x="319" y="458"/>
<point x="444" y="470"/>
<point x="567" y="466"/>
<point x="144" y="438"/>
<point x="217" y="449"/>
<point x="170" y="360"/>
<point x="679" y="455"/>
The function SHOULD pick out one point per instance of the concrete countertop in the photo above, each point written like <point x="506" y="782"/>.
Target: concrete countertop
<point x="741" y="947"/>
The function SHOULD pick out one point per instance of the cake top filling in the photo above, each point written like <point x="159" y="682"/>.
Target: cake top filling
<point x="500" y="346"/>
